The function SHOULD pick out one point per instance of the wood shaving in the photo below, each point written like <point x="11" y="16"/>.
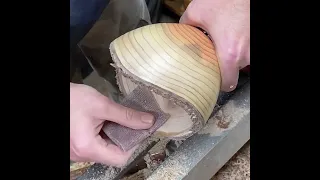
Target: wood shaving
<point x="79" y="165"/>
<point x="78" y="168"/>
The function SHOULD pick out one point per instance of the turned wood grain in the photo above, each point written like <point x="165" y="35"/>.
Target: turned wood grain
<point x="178" y="58"/>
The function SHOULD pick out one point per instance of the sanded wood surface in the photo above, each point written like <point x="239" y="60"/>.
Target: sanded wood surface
<point x="177" y="58"/>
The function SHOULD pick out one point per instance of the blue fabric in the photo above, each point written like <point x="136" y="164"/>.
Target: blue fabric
<point x="83" y="15"/>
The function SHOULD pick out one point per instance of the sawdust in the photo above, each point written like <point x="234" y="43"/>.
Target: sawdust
<point x="237" y="168"/>
<point x="109" y="173"/>
<point x="140" y="175"/>
<point x="160" y="146"/>
<point x="221" y="121"/>
<point x="151" y="165"/>
<point x="78" y="165"/>
<point x="173" y="169"/>
<point x="225" y="115"/>
<point x="226" y="118"/>
<point x="172" y="146"/>
<point x="78" y="168"/>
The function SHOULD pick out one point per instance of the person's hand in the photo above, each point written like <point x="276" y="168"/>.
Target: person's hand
<point x="88" y="112"/>
<point x="228" y="24"/>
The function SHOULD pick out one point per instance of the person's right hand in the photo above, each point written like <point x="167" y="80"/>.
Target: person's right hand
<point x="228" y="24"/>
<point x="88" y="112"/>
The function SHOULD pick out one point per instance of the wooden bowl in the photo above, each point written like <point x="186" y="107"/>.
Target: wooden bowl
<point x="178" y="63"/>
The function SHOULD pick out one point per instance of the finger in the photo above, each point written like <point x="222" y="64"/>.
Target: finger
<point x="228" y="67"/>
<point x="191" y="18"/>
<point x="186" y="18"/>
<point x="126" y="116"/>
<point x="229" y="75"/>
<point x="109" y="154"/>
<point x="229" y="70"/>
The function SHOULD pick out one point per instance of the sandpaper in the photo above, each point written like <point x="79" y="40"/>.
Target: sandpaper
<point x="140" y="99"/>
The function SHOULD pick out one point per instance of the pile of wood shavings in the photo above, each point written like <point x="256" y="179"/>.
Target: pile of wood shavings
<point x="238" y="167"/>
<point x="140" y="175"/>
<point x="79" y="165"/>
<point x="151" y="166"/>
<point x="78" y="168"/>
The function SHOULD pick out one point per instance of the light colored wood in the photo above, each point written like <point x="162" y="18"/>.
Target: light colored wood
<point x="172" y="58"/>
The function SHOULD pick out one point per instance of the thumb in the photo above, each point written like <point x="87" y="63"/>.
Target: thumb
<point x="229" y="74"/>
<point x="190" y="18"/>
<point x="125" y="116"/>
<point x="228" y="63"/>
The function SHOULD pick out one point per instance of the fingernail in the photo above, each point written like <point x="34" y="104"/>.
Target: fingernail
<point x="147" y="119"/>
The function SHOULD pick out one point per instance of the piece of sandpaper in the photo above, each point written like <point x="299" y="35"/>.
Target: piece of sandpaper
<point x="140" y="99"/>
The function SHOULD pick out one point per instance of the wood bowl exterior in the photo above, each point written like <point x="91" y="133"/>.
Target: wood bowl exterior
<point x="176" y="58"/>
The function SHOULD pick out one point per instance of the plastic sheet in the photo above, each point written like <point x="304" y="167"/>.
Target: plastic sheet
<point x="119" y="17"/>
